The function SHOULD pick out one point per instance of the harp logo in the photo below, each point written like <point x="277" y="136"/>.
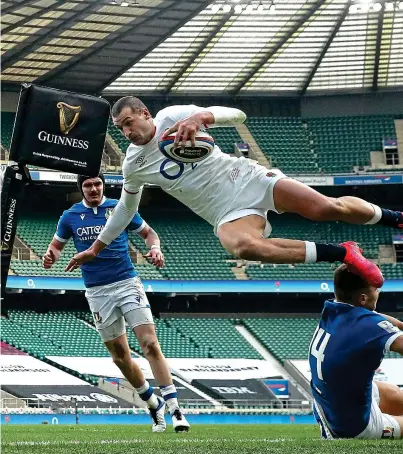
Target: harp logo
<point x="68" y="116"/>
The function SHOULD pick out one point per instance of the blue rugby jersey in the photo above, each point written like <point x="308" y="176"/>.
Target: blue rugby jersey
<point x="84" y="224"/>
<point x="346" y="349"/>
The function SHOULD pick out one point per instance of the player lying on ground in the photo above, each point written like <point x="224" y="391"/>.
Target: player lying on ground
<point x="232" y="194"/>
<point x="347" y="348"/>
<point x="115" y="294"/>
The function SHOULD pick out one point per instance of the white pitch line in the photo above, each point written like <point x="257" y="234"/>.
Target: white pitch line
<point x="139" y="440"/>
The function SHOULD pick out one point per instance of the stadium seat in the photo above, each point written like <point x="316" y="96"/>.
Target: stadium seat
<point x="217" y="334"/>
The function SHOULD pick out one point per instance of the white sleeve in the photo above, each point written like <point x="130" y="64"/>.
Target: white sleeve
<point x="124" y="211"/>
<point x="224" y="116"/>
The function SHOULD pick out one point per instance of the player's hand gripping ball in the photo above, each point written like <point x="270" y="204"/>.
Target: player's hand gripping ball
<point x="188" y="154"/>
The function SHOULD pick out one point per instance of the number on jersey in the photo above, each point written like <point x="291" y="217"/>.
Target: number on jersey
<point x="319" y="353"/>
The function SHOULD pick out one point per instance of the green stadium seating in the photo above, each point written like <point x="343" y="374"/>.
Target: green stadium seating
<point x="63" y="332"/>
<point x="193" y="252"/>
<point x="319" y="271"/>
<point x="37" y="234"/>
<point x="118" y="137"/>
<point x="294" y="144"/>
<point x="226" y="138"/>
<point x="284" y="337"/>
<point x="218" y="334"/>
<point x="7" y="123"/>
<point x="285" y="141"/>
<point x="190" y="247"/>
<point x="341" y="143"/>
<point x="287" y="337"/>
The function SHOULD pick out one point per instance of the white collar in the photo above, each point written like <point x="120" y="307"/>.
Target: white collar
<point x="102" y="202"/>
<point x="346" y="304"/>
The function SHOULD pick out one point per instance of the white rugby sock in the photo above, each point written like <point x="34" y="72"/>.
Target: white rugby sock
<point x="170" y="396"/>
<point x="377" y="215"/>
<point x="146" y="393"/>
<point x="310" y="252"/>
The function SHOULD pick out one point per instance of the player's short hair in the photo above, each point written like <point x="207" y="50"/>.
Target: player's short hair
<point x="127" y="101"/>
<point x="347" y="285"/>
<point x="82" y="178"/>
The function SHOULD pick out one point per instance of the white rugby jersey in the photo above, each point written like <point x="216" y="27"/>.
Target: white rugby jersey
<point x="207" y="188"/>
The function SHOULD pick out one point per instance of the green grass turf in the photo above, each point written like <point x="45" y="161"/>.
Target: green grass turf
<point x="203" y="439"/>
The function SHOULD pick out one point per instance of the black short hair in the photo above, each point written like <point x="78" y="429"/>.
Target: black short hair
<point x="82" y="178"/>
<point x="347" y="284"/>
<point x="127" y="101"/>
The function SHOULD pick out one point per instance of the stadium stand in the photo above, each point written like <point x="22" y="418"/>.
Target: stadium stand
<point x="226" y="138"/>
<point x="285" y="142"/>
<point x="320" y="271"/>
<point x="340" y="143"/>
<point x="184" y="257"/>
<point x="7" y="123"/>
<point x="58" y="333"/>
<point x="218" y="334"/>
<point x="118" y="137"/>
<point x="37" y="234"/>
<point x="205" y="259"/>
<point x="295" y="145"/>
<point x="61" y="333"/>
<point x="287" y="337"/>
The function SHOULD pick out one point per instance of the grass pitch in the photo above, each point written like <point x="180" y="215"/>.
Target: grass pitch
<point x="203" y="439"/>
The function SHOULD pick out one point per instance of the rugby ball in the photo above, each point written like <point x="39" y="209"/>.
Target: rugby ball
<point x="204" y="146"/>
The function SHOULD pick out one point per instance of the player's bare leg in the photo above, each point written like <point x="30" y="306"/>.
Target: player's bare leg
<point x="152" y="351"/>
<point x="391" y="402"/>
<point x="292" y="196"/>
<point x="390" y="399"/>
<point x="120" y="352"/>
<point x="244" y="239"/>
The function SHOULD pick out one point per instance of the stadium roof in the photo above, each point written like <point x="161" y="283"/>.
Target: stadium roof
<point x="194" y="46"/>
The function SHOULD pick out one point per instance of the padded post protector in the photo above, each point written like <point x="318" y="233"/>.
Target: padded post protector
<point x="14" y="180"/>
<point x="59" y="130"/>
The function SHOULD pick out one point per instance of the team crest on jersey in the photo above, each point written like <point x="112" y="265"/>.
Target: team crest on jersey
<point x="140" y="159"/>
<point x="108" y="212"/>
<point x="270" y="174"/>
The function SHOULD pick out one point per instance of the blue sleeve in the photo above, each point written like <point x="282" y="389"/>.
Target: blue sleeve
<point x="64" y="231"/>
<point x="137" y="223"/>
<point x="380" y="332"/>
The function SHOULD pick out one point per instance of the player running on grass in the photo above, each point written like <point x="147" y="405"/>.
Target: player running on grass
<point x="232" y="194"/>
<point x="116" y="295"/>
<point x="347" y="348"/>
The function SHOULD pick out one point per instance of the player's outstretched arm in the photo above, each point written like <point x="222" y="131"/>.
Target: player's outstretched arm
<point x="121" y="218"/>
<point x="394" y="321"/>
<point x="53" y="253"/>
<point x="152" y="241"/>
<point x="215" y="116"/>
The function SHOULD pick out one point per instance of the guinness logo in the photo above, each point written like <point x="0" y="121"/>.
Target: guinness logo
<point x="4" y="246"/>
<point x="68" y="116"/>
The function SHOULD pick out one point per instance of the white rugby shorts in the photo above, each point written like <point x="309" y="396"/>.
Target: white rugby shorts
<point x="380" y="425"/>
<point x="114" y="304"/>
<point x="255" y="196"/>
